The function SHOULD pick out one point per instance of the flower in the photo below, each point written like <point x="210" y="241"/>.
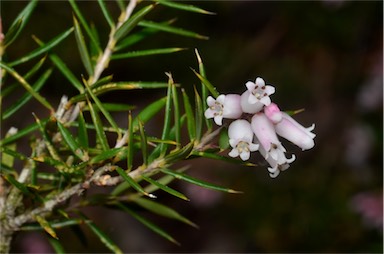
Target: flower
<point x="259" y="92"/>
<point x="273" y="113"/>
<point x="291" y="130"/>
<point x="225" y="106"/>
<point x="240" y="138"/>
<point x="248" y="107"/>
<point x="270" y="146"/>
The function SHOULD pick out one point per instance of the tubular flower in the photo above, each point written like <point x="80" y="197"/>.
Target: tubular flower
<point x="273" y="113"/>
<point x="240" y="138"/>
<point x="225" y="106"/>
<point x="259" y="92"/>
<point x="291" y="130"/>
<point x="248" y="107"/>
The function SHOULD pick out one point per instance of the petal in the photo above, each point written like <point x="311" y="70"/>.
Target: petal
<point x="252" y="99"/>
<point x="269" y="90"/>
<point x="233" y="142"/>
<point x="220" y="99"/>
<point x="265" y="100"/>
<point x="253" y="147"/>
<point x="245" y="155"/>
<point x="218" y="120"/>
<point x="234" y="153"/>
<point x="250" y="86"/>
<point x="260" y="82"/>
<point x="210" y="101"/>
<point x="209" y="113"/>
<point x="274" y="174"/>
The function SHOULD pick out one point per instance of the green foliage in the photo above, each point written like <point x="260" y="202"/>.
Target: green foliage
<point x="81" y="144"/>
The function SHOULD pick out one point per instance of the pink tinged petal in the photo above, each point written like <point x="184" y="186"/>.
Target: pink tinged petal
<point x="264" y="131"/>
<point x="232" y="107"/>
<point x="289" y="129"/>
<point x="245" y="155"/>
<point x="253" y="147"/>
<point x="220" y="99"/>
<point x="252" y="98"/>
<point x="269" y="90"/>
<point x="265" y="100"/>
<point x="250" y="86"/>
<point x="233" y="142"/>
<point x="210" y="101"/>
<point x="247" y="107"/>
<point x="209" y="113"/>
<point x="240" y="130"/>
<point x="273" y="113"/>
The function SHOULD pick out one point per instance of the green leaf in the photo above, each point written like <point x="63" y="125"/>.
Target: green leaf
<point x="162" y="210"/>
<point x="106" y="155"/>
<point x="82" y="133"/>
<point x="56" y="245"/>
<point x="222" y="158"/>
<point x="148" y="112"/>
<point x="147" y="223"/>
<point x="85" y="58"/>
<point x="148" y="52"/>
<point x="144" y="149"/>
<point x="165" y="188"/>
<point x="131" y="85"/>
<point x="23" y="188"/>
<point x="190" y="117"/>
<point x="71" y="142"/>
<point x="102" y="138"/>
<point x="27" y="96"/>
<point x="103" y="110"/>
<point x="21" y="133"/>
<point x="128" y="25"/>
<point x="106" y="13"/>
<point x="167" y="117"/>
<point x="198" y="115"/>
<point x="164" y="180"/>
<point x="43" y="49"/>
<point x="133" y="183"/>
<point x="46" y="226"/>
<point x="130" y="142"/>
<point x="184" y="7"/>
<point x="18" y="24"/>
<point x="104" y="238"/>
<point x="224" y="139"/>
<point x="54" y="224"/>
<point x="176" y="110"/>
<point x="27" y="86"/>
<point x="170" y="29"/>
<point x="6" y="158"/>
<point x="198" y="182"/>
<point x="119" y="107"/>
<point x="205" y="81"/>
<point x="179" y="154"/>
<point x="85" y="24"/>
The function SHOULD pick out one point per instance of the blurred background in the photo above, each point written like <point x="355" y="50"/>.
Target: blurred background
<point x="324" y="56"/>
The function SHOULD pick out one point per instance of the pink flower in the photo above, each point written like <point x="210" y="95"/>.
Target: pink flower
<point x="273" y="113"/>
<point x="248" y="107"/>
<point x="225" y="106"/>
<point x="240" y="138"/>
<point x="259" y="92"/>
<point x="291" y="130"/>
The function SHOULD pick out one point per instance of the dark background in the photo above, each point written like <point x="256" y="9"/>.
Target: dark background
<point x="324" y="56"/>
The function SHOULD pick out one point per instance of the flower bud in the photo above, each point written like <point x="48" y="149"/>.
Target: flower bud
<point x="273" y="113"/>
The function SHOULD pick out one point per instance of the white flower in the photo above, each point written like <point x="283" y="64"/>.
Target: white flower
<point x="240" y="138"/>
<point x="225" y="106"/>
<point x="270" y="146"/>
<point x="248" y="107"/>
<point x="259" y="92"/>
<point x="291" y="130"/>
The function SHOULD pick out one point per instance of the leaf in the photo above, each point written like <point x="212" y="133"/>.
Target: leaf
<point x="176" y="110"/>
<point x="198" y="115"/>
<point x="148" y="52"/>
<point x="205" y="81"/>
<point x="71" y="142"/>
<point x="184" y="7"/>
<point x="21" y="133"/>
<point x="104" y="238"/>
<point x="82" y="133"/>
<point x="18" y="24"/>
<point x="222" y="158"/>
<point x="128" y="25"/>
<point x="55" y="224"/>
<point x="167" y="117"/>
<point x="27" y="96"/>
<point x="130" y="142"/>
<point x="119" y="107"/>
<point x="148" y="112"/>
<point x="162" y="210"/>
<point x="224" y="139"/>
<point x="56" y="245"/>
<point x="147" y="223"/>
<point x="170" y="29"/>
<point x="133" y="183"/>
<point x="23" y="188"/>
<point x="43" y="49"/>
<point x="85" y="58"/>
<point x="46" y="226"/>
<point x="190" y="117"/>
<point x="144" y="149"/>
<point x="7" y="159"/>
<point x="106" y="155"/>
<point x="102" y="138"/>
<point x="27" y="86"/>
<point x="106" y="13"/>
<point x="165" y="188"/>
<point x="198" y="182"/>
<point x="179" y="154"/>
<point x="84" y="24"/>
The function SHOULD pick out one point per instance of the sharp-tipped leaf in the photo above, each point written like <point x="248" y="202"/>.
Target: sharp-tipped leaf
<point x="72" y="143"/>
<point x="167" y="117"/>
<point x="82" y="133"/>
<point x="46" y="226"/>
<point x="165" y="188"/>
<point x="149" y="112"/>
<point x="133" y="183"/>
<point x="148" y="52"/>
<point x="21" y="133"/>
<point x="56" y="245"/>
<point x="104" y="238"/>
<point x="84" y="54"/>
<point x="43" y="49"/>
<point x="198" y="182"/>
<point x="190" y="117"/>
<point x="176" y="110"/>
<point x="102" y="138"/>
<point x="106" y="155"/>
<point x="106" y="13"/>
<point x="222" y="158"/>
<point x="170" y="29"/>
<point x="125" y="28"/>
<point x="162" y="210"/>
<point x="143" y="138"/>
<point x="198" y="115"/>
<point x="27" y="96"/>
<point x="205" y="82"/>
<point x="184" y="7"/>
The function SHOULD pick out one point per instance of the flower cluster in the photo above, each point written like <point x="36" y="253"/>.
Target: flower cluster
<point x="257" y="123"/>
